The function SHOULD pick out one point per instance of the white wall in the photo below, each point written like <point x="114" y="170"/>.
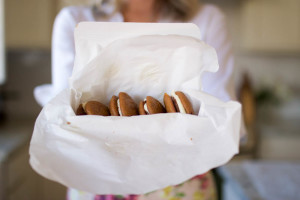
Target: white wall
<point x="29" y="23"/>
<point x="264" y="67"/>
<point x="270" y="64"/>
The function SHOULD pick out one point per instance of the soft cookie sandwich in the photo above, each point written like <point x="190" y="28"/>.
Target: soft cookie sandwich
<point x="151" y="106"/>
<point x="80" y="110"/>
<point x="178" y="102"/>
<point x="123" y="105"/>
<point x="93" y="108"/>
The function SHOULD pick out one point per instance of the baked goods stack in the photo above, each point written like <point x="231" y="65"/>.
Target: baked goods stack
<point x="125" y="106"/>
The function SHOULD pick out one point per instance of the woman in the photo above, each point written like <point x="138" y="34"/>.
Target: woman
<point x="210" y="20"/>
<point x="212" y="25"/>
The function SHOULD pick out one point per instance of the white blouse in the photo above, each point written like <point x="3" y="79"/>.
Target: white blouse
<point x="210" y="20"/>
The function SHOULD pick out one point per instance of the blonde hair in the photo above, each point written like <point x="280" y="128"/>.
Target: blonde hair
<point x="183" y="10"/>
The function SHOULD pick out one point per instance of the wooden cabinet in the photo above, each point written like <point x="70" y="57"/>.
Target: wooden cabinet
<point x="272" y="26"/>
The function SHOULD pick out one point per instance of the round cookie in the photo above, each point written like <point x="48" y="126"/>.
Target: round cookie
<point x="169" y="104"/>
<point x="185" y="102"/>
<point x="80" y="110"/>
<point x="141" y="108"/>
<point x="154" y="106"/>
<point x="96" y="108"/>
<point x="113" y="106"/>
<point x="127" y="106"/>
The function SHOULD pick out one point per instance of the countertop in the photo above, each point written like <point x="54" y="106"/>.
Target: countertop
<point x="263" y="179"/>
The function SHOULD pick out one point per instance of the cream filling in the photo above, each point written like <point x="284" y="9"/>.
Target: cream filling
<point x="119" y="109"/>
<point x="180" y="106"/>
<point x="146" y="107"/>
<point x="83" y="106"/>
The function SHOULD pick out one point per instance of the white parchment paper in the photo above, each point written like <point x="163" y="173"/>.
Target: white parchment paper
<point x="135" y="155"/>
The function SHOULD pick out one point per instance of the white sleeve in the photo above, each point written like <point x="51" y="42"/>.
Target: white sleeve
<point x="63" y="49"/>
<point x="219" y="84"/>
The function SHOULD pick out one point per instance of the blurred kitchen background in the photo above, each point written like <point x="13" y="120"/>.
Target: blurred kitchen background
<point x="266" y="39"/>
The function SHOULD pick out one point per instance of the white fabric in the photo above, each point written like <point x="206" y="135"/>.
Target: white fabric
<point x="210" y="20"/>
